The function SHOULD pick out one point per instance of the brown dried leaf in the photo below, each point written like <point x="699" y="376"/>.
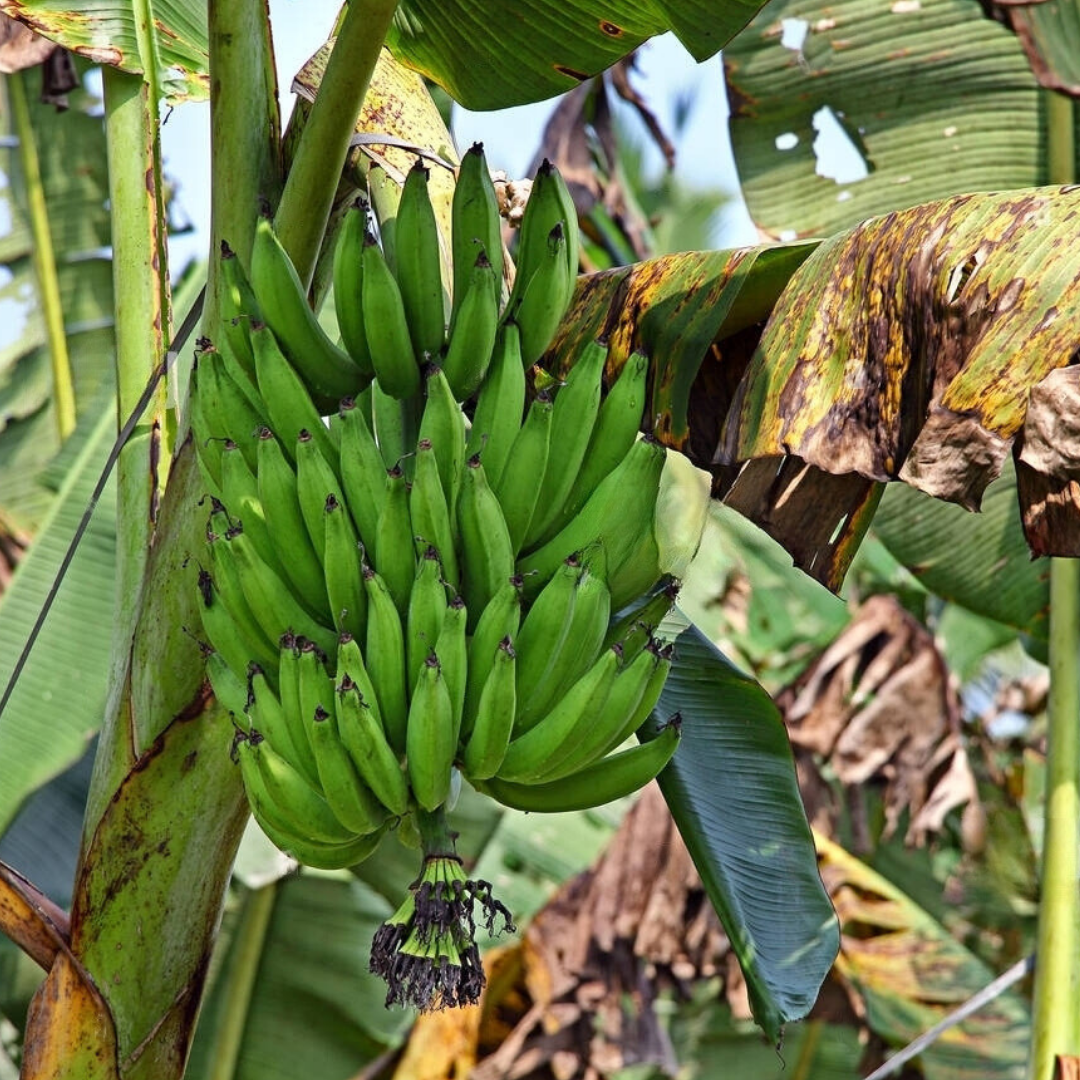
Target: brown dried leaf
<point x="20" y="47"/>
<point x="30" y="919"/>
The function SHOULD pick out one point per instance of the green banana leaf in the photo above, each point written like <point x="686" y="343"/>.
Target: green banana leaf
<point x="934" y="98"/>
<point x="109" y="33"/>
<point x="978" y="561"/>
<point x="732" y="791"/>
<point x="1049" y="32"/>
<point x="57" y="703"/>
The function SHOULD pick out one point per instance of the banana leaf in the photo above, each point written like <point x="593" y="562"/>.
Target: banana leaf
<point x="732" y="791"/>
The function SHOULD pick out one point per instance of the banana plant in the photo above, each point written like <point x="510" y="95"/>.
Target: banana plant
<point x="145" y="861"/>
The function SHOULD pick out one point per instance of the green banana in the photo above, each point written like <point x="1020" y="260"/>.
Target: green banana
<point x="544" y="298"/>
<point x="469" y="348"/>
<point x="350" y="666"/>
<point x="316" y="687"/>
<point x="487" y="554"/>
<point x="267" y="717"/>
<point x="391" y="348"/>
<point x="288" y="402"/>
<point x="283" y="797"/>
<point x="240" y="493"/>
<point x="662" y="655"/>
<point x="374" y="758"/>
<point x="348" y="286"/>
<point x="329" y="373"/>
<point x="633" y="626"/>
<point x="604" y="781"/>
<point x="220" y="628"/>
<point x="229" y="586"/>
<point x="572" y="421"/>
<point x="452" y="648"/>
<point x="389" y="426"/>
<point x="443" y="425"/>
<point x="316" y="479"/>
<point x="394" y="540"/>
<point x="430" y="743"/>
<point x="544" y="643"/>
<point x="280" y="500"/>
<point x="429" y="513"/>
<point x="550" y="203"/>
<point x="426" y="610"/>
<point x="318" y="855"/>
<point x="620" y="513"/>
<point x="226" y="410"/>
<point x="270" y="599"/>
<point x="490" y="736"/>
<point x="616" y="429"/>
<point x="474" y="216"/>
<point x="517" y="490"/>
<point x="351" y="800"/>
<point x="543" y="745"/>
<point x="363" y="474"/>
<point x="384" y="656"/>
<point x="228" y="689"/>
<point x="289" y="694"/>
<point x="344" y="581"/>
<point x="207" y="445"/>
<point x="501" y="618"/>
<point x="500" y="404"/>
<point x="238" y="306"/>
<point x="385" y="194"/>
<point x="419" y="264"/>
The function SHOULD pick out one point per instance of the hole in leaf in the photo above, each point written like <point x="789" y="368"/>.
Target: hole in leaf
<point x="788" y="141"/>
<point x="839" y="149"/>
<point x="960" y="276"/>
<point x="793" y="33"/>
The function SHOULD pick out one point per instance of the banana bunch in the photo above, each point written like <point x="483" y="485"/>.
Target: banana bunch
<point x="396" y="596"/>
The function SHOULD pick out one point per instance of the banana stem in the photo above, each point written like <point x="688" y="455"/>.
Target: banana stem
<point x="436" y="836"/>
<point x="316" y="169"/>
<point x="44" y="258"/>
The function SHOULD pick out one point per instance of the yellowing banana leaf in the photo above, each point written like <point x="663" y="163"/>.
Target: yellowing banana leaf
<point x="732" y="791"/>
<point x="907" y="347"/>
<point x="108" y="33"/>
<point x="911" y="973"/>
<point x="489" y="58"/>
<point x="846" y="109"/>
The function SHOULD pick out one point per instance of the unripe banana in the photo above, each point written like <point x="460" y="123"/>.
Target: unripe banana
<point x="544" y="298"/>
<point x="500" y="404"/>
<point x="366" y="744"/>
<point x="452" y="648"/>
<point x="384" y="656"/>
<point x="229" y="587"/>
<point x="385" y="194"/>
<point x="280" y="499"/>
<point x="419" y="264"/>
<point x="476" y="223"/>
<point x="238" y="306"/>
<point x="348" y="284"/>
<point x="230" y="691"/>
<point x="517" y="489"/>
<point x="443" y="425"/>
<point x="270" y="600"/>
<point x="363" y="474"/>
<point x="616" y="429"/>
<point x="634" y="627"/>
<point x="267" y="717"/>
<point x="620" y="513"/>
<point x="486" y="551"/>
<point x="543" y="746"/>
<point x="329" y="373"/>
<point x="394" y="540"/>
<point x="240" y="494"/>
<point x="501" y="618"/>
<point x="391" y="345"/>
<point x="572" y="422"/>
<point x="430" y="739"/>
<point x="431" y="521"/>
<point x="351" y="670"/>
<point x="316" y="687"/>
<point x="344" y="581"/>
<point x="490" y="737"/>
<point x="289" y="404"/>
<point x="316" y="479"/>
<point x="283" y="797"/>
<point x="426" y="610"/>
<point x="604" y="781"/>
<point x="221" y="630"/>
<point x="549" y="202"/>
<point x="389" y="426"/>
<point x="543" y="644"/>
<point x="289" y="694"/>
<point x="468" y="351"/>
<point x="226" y="412"/>
<point x="351" y="800"/>
<point x="650" y="695"/>
<point x="207" y="446"/>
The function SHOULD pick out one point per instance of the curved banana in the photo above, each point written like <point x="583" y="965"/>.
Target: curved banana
<point x="316" y="479"/>
<point x="419" y="264"/>
<point x="392" y="356"/>
<point x="549" y="205"/>
<point x="443" y="425"/>
<point x="394" y="540"/>
<point x="475" y="221"/>
<point x="267" y="717"/>
<point x="430" y="743"/>
<point x="348" y="286"/>
<point x="632" y="628"/>
<point x="228" y="689"/>
<point x="228" y="585"/>
<point x="606" y="780"/>
<point x="540" y="306"/>
<point x="428" y="509"/>
<point x="225" y="410"/>
<point x="363" y="474"/>
<point x="426" y="611"/>
<point x="289" y="694"/>
<point x="518" y="491"/>
<point x="499" y="405"/>
<point x="500" y="619"/>
<point x="366" y="744"/>
<point x="329" y="373"/>
<point x="468" y="351"/>
<point x="452" y="648"/>
<point x="385" y="195"/>
<point x="352" y="671"/>
<point x="384" y="657"/>
<point x="238" y="306"/>
<point x="490" y="736"/>
<point x="319" y="855"/>
<point x="486" y="552"/>
<point x="221" y="630"/>
<point x="240" y="494"/>
<point x="344" y="581"/>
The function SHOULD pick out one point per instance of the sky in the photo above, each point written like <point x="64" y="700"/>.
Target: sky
<point x="510" y="136"/>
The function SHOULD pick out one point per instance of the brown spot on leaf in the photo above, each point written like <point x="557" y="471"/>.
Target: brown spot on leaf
<point x="578" y="76"/>
<point x="611" y="29"/>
